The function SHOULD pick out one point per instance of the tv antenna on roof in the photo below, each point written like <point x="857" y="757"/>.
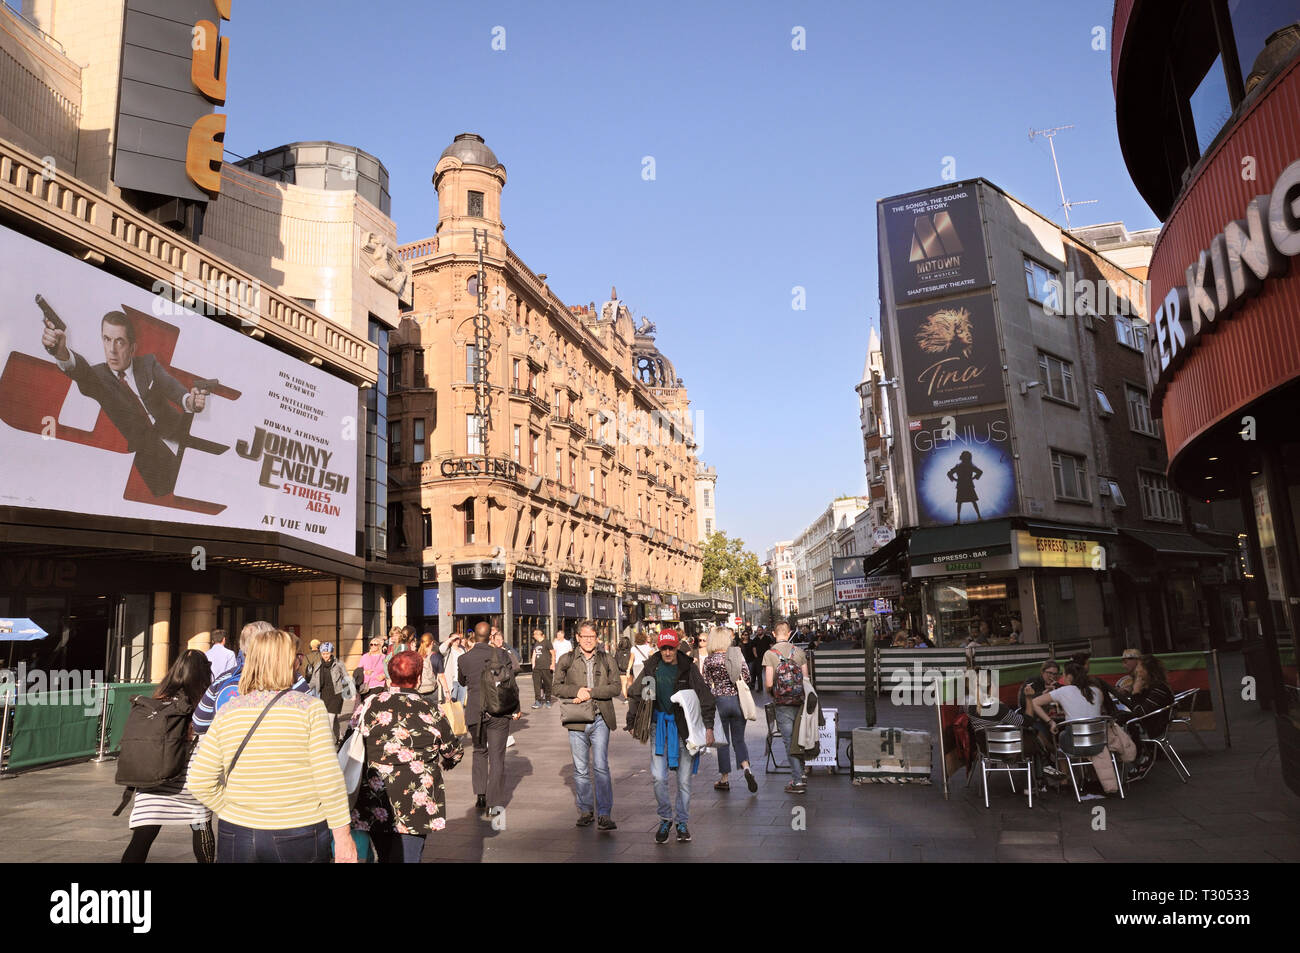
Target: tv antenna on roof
<point x="1048" y="134"/>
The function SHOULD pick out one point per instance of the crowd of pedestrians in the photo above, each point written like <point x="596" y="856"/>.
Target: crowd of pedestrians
<point x="263" y="734"/>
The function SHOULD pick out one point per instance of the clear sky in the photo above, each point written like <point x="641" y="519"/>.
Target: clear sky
<point x="768" y="162"/>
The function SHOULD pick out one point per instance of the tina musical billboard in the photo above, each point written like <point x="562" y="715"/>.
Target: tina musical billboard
<point x="964" y="473"/>
<point x="950" y="355"/>
<point x="936" y="243"/>
<point x="118" y="402"/>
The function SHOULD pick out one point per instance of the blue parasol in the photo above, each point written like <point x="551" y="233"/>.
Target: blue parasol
<point x="20" y="630"/>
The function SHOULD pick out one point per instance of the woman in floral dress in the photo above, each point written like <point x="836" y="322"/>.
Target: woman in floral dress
<point x="408" y="745"/>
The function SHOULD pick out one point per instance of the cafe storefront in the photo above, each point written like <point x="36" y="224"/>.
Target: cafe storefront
<point x="1031" y="581"/>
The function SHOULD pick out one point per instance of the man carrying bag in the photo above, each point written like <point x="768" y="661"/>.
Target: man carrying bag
<point x="587" y="682"/>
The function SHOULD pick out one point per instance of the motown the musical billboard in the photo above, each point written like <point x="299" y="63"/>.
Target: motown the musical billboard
<point x="936" y="243"/>
<point x="118" y="402"/>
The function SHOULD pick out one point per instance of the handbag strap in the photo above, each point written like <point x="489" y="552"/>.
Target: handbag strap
<point x="240" y="750"/>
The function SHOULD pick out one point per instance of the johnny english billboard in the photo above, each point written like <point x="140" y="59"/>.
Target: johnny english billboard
<point x="966" y="473"/>
<point x="118" y="402"/>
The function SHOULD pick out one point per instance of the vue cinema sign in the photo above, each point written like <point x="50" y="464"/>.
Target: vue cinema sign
<point x="174" y="63"/>
<point x="1239" y="260"/>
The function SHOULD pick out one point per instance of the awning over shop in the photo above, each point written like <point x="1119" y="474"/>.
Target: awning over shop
<point x="1173" y="544"/>
<point x="1065" y="530"/>
<point x="974" y="547"/>
<point x="882" y="558"/>
<point x="928" y="543"/>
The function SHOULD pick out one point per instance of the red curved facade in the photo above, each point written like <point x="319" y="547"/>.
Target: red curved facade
<point x="1258" y="348"/>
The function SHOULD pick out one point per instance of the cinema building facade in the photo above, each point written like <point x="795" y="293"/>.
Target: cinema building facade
<point x="133" y="521"/>
<point x="1208" y="112"/>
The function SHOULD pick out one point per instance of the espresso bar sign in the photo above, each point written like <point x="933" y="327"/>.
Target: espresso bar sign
<point x="491" y="467"/>
<point x="1239" y="260"/>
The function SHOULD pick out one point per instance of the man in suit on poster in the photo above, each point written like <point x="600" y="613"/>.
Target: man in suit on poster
<point x="138" y="395"/>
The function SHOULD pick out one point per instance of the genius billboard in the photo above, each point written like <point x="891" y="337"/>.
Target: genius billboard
<point x="115" y="401"/>
<point x="963" y="467"/>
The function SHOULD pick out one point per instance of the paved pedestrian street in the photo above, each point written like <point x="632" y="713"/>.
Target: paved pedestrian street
<point x="1235" y="808"/>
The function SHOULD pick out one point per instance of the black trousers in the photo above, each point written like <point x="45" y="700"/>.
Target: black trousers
<point x="542" y="683"/>
<point x="490" y="738"/>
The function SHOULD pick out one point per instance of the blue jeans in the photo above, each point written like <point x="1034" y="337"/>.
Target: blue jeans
<point x="732" y="721"/>
<point x="659" y="771"/>
<point x="394" y="848"/>
<point x="590" y="750"/>
<point x="297" y="845"/>
<point x="785" y="715"/>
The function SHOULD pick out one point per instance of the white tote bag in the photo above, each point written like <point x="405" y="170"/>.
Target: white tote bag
<point x="743" y="694"/>
<point x="352" y="756"/>
<point x="747" y="706"/>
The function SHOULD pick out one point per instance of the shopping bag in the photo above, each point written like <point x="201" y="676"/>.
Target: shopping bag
<point x="455" y="713"/>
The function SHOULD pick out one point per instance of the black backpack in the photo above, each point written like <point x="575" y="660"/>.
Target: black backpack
<point x="497" y="688"/>
<point x="155" y="742"/>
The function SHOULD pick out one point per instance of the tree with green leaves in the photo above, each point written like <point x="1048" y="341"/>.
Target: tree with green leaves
<point x="727" y="564"/>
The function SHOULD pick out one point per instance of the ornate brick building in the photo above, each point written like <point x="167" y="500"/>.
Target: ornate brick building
<point x="541" y="460"/>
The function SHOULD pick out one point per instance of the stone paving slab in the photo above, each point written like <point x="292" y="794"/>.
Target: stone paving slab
<point x="1235" y="808"/>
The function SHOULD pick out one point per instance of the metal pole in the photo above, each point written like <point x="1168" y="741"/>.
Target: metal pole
<point x="100" y="757"/>
<point x="1223" y="705"/>
<point x="4" y="729"/>
<point x="943" y="755"/>
<point x="869" y="673"/>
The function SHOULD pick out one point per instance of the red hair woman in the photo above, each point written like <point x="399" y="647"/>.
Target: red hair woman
<point x="408" y="745"/>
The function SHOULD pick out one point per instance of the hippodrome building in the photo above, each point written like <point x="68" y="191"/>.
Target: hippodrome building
<point x="1207" y="101"/>
<point x="541" y="459"/>
<point x="132" y="521"/>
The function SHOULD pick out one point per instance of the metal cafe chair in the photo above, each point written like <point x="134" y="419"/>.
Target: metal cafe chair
<point x="1004" y="750"/>
<point x="1182" y="716"/>
<point x="1082" y="739"/>
<point x="1161" y="741"/>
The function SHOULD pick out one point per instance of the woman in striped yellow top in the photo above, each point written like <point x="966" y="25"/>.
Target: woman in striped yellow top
<point x="285" y="796"/>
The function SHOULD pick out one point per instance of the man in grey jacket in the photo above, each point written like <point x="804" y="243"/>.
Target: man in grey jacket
<point x="589" y="674"/>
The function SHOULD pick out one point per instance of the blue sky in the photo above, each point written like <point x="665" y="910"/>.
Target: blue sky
<point x="768" y="164"/>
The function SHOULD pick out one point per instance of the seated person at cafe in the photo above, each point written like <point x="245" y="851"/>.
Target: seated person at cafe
<point x="1151" y="692"/>
<point x="1130" y="660"/>
<point x="1078" y="697"/>
<point x="1049" y="672"/>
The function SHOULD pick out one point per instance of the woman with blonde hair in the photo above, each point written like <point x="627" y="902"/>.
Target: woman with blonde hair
<point x="724" y="668"/>
<point x="268" y="767"/>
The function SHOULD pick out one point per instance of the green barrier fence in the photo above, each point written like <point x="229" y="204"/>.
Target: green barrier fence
<point x="55" y="726"/>
<point x="119" y="706"/>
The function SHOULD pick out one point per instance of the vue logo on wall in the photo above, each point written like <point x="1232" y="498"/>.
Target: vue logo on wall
<point x="209" y="60"/>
